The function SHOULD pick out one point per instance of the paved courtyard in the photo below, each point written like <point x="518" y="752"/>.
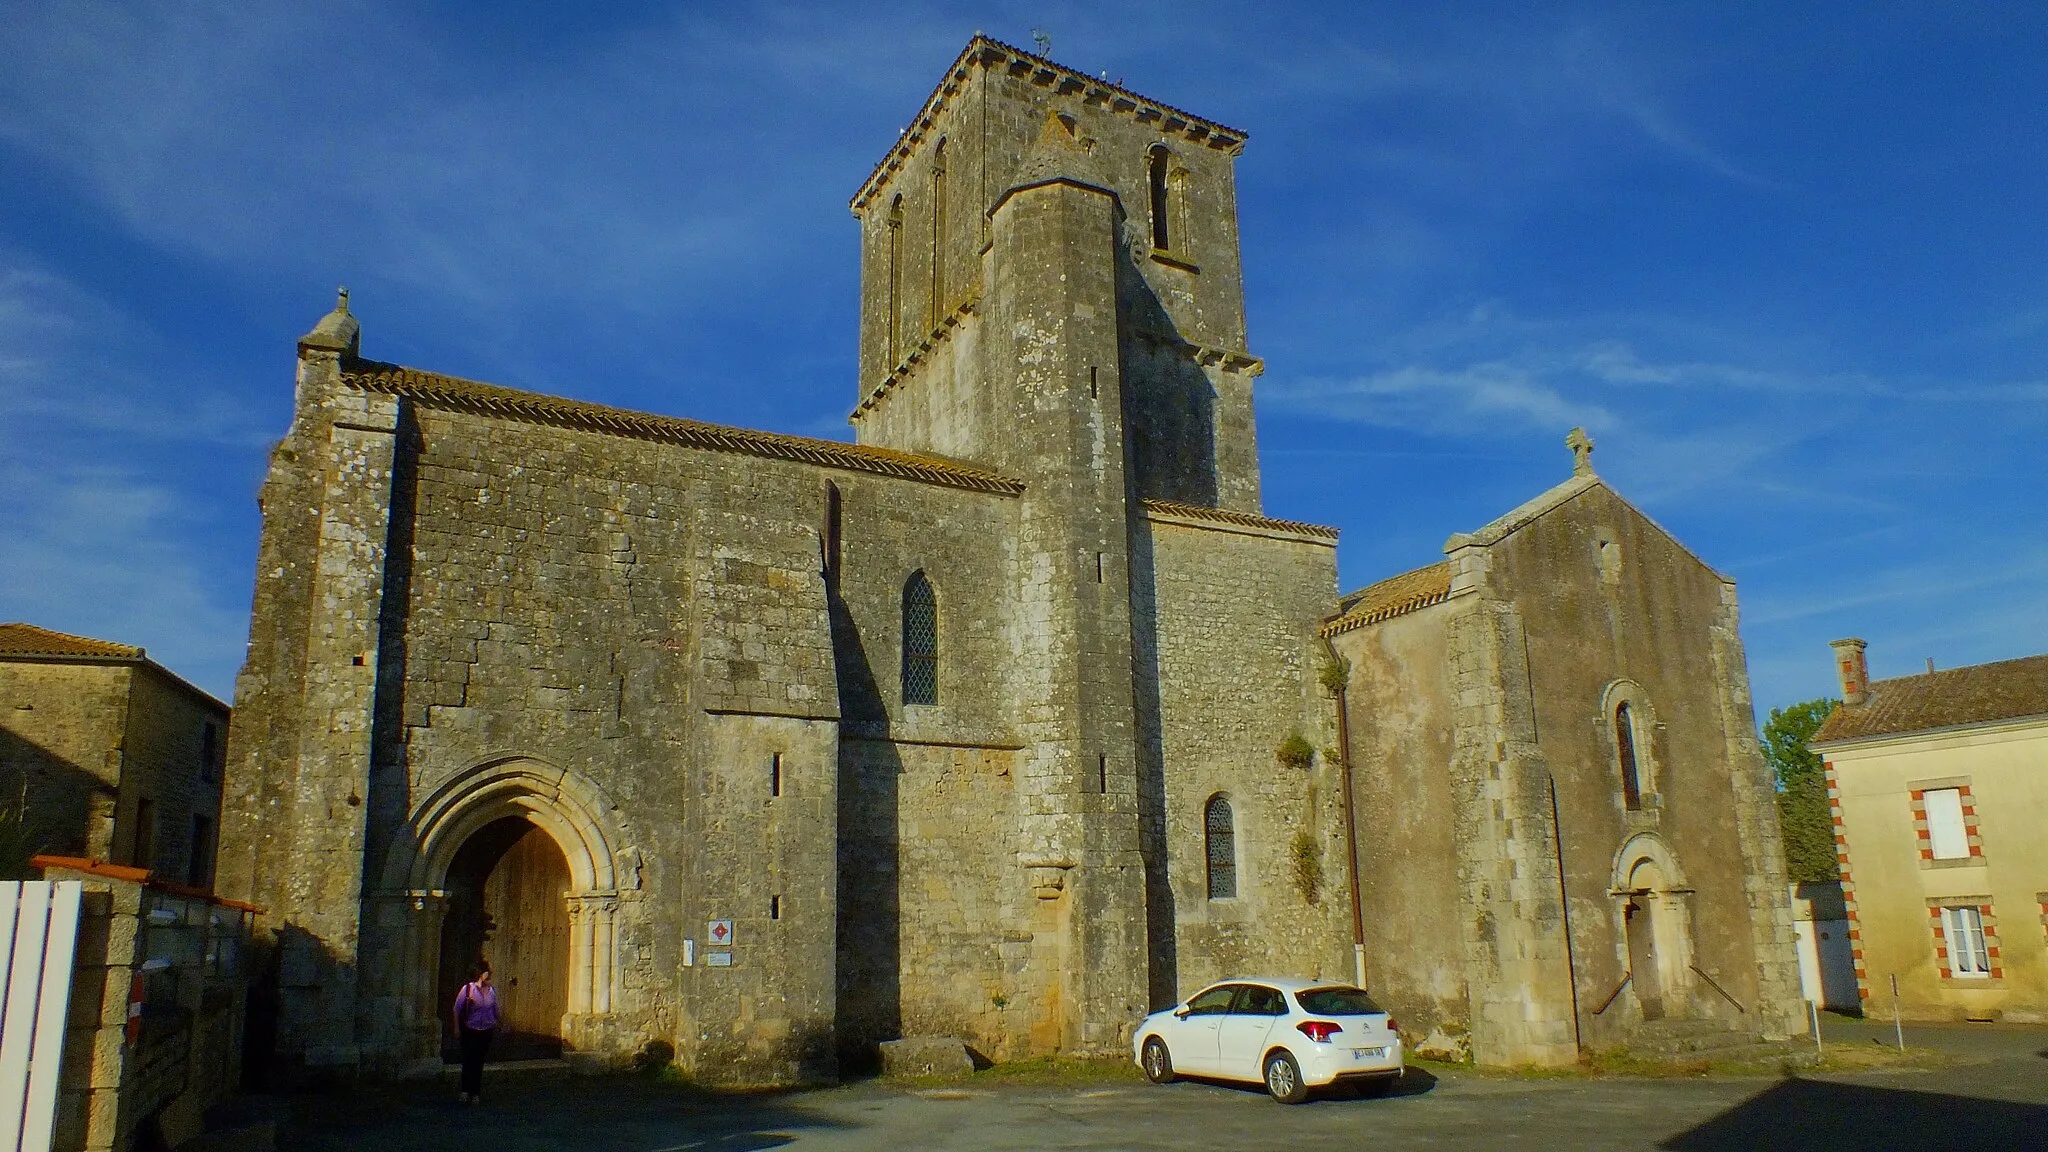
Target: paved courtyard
<point x="1997" y="1098"/>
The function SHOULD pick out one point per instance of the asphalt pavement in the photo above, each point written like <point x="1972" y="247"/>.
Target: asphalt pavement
<point x="1995" y="1097"/>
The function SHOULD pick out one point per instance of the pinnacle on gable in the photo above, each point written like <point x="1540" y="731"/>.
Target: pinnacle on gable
<point x="336" y="332"/>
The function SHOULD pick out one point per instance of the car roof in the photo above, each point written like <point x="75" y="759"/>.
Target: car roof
<point x="1284" y="983"/>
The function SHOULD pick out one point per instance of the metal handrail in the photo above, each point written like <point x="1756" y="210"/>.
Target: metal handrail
<point x="1609" y="1002"/>
<point x="1716" y="987"/>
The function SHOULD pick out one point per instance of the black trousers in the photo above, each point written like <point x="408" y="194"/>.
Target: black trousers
<point x="476" y="1042"/>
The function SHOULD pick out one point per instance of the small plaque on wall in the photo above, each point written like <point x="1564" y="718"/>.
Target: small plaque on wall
<point x="718" y="959"/>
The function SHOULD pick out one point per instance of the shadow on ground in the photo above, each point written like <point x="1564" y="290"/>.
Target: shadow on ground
<point x="530" y="1113"/>
<point x="1413" y="1082"/>
<point x="1795" y="1113"/>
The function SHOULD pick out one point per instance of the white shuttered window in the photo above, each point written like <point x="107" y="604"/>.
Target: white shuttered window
<point x="1967" y="955"/>
<point x="1949" y="838"/>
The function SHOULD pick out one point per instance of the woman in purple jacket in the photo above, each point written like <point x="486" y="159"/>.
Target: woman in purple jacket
<point x="476" y="1018"/>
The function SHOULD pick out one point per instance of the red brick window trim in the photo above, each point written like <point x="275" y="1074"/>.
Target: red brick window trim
<point x="1923" y="833"/>
<point x="1967" y="954"/>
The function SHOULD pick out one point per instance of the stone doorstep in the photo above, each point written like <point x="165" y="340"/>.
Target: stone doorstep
<point x="926" y="1056"/>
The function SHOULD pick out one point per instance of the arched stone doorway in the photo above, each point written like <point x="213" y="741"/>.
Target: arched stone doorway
<point x="458" y="838"/>
<point x="1639" y="930"/>
<point x="506" y="902"/>
<point x="1650" y="895"/>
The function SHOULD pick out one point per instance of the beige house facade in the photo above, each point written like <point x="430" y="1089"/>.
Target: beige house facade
<point x="118" y="758"/>
<point x="1939" y="787"/>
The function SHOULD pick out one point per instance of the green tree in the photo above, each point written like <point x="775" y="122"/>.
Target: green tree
<point x="1803" y="816"/>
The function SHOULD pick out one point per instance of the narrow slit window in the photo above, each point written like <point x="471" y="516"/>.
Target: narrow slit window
<point x="895" y="301"/>
<point x="832" y="514"/>
<point x="775" y="775"/>
<point x="1156" y="162"/>
<point x="1220" y="832"/>
<point x="920" y="641"/>
<point x="938" y="303"/>
<point x="1625" y="750"/>
<point x="1102" y="772"/>
<point x="775" y="907"/>
<point x="1098" y="567"/>
<point x="1094" y="384"/>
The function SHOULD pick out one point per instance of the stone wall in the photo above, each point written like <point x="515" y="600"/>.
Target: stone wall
<point x="1227" y="671"/>
<point x="1611" y="603"/>
<point x="61" y="731"/>
<point x="91" y="741"/>
<point x="1400" y="704"/>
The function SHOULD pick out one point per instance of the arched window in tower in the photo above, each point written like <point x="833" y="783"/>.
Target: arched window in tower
<point x="938" y="304"/>
<point x="920" y="641"/>
<point x="1219" y="833"/>
<point x="895" y="301"/>
<point x="1625" y="752"/>
<point x="1156" y="163"/>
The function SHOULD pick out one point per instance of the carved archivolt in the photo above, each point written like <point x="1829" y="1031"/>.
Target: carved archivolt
<point x="568" y="806"/>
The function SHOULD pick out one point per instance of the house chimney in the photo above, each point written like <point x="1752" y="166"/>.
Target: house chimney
<point x="1854" y="674"/>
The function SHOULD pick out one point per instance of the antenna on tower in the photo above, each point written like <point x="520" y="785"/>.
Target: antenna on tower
<point x="1044" y="41"/>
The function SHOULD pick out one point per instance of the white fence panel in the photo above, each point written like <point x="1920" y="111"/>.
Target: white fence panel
<point x="38" y="940"/>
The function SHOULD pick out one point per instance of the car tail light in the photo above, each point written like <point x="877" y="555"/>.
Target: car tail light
<point x="1319" y="1031"/>
<point x="1393" y="1027"/>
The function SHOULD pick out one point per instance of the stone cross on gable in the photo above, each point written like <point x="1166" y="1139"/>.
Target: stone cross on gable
<point x="1582" y="452"/>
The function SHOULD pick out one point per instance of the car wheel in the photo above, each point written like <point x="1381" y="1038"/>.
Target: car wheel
<point x="1283" y="1079"/>
<point x="1158" y="1062"/>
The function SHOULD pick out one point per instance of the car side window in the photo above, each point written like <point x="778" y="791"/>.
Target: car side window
<point x="1261" y="1001"/>
<point x="1214" y="1002"/>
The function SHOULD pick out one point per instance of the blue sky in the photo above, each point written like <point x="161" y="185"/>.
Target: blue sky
<point x="1789" y="267"/>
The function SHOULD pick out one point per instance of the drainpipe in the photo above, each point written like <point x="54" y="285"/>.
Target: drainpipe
<point x="1350" y="820"/>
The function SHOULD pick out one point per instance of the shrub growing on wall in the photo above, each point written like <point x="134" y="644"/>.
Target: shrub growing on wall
<point x="1296" y="752"/>
<point x="1305" y="858"/>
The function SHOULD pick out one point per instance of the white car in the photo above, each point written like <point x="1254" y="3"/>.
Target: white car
<point x="1291" y="1035"/>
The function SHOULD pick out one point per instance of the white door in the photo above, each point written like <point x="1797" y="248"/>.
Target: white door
<point x="1242" y="1038"/>
<point x="1192" y="1040"/>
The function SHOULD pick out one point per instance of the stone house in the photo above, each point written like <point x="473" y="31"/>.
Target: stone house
<point x="117" y="757"/>
<point x="1556" y="718"/>
<point x="1939" y="787"/>
<point x="997" y="723"/>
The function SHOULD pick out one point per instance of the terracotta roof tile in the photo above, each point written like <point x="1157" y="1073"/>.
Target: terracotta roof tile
<point x="1978" y="694"/>
<point x="1394" y="596"/>
<point x="536" y="408"/>
<point x="29" y="640"/>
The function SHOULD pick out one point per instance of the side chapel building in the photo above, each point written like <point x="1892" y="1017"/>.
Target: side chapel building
<point x="772" y="748"/>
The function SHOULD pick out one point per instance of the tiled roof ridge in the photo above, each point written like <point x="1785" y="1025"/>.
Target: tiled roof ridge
<point x="877" y="176"/>
<point x="1996" y="692"/>
<point x="23" y="639"/>
<point x="538" y="408"/>
<point x="1243" y="519"/>
<point x="1399" y="595"/>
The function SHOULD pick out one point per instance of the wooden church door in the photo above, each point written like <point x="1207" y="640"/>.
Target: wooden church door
<point x="507" y="903"/>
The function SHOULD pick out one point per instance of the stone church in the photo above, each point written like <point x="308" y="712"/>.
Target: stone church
<point x="1009" y="721"/>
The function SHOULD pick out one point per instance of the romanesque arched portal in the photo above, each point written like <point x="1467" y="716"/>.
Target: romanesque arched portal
<point x="460" y="849"/>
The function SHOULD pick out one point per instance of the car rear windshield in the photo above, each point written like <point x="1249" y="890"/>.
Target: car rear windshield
<point x="1336" y="1002"/>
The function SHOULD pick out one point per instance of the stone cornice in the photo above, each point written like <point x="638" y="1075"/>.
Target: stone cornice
<point x="933" y="339"/>
<point x="1207" y="355"/>
<point x="452" y="393"/>
<point x="987" y="53"/>
<point x="1224" y="519"/>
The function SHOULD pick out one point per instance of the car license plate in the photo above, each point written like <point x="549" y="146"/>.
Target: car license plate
<point x="1367" y="1053"/>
